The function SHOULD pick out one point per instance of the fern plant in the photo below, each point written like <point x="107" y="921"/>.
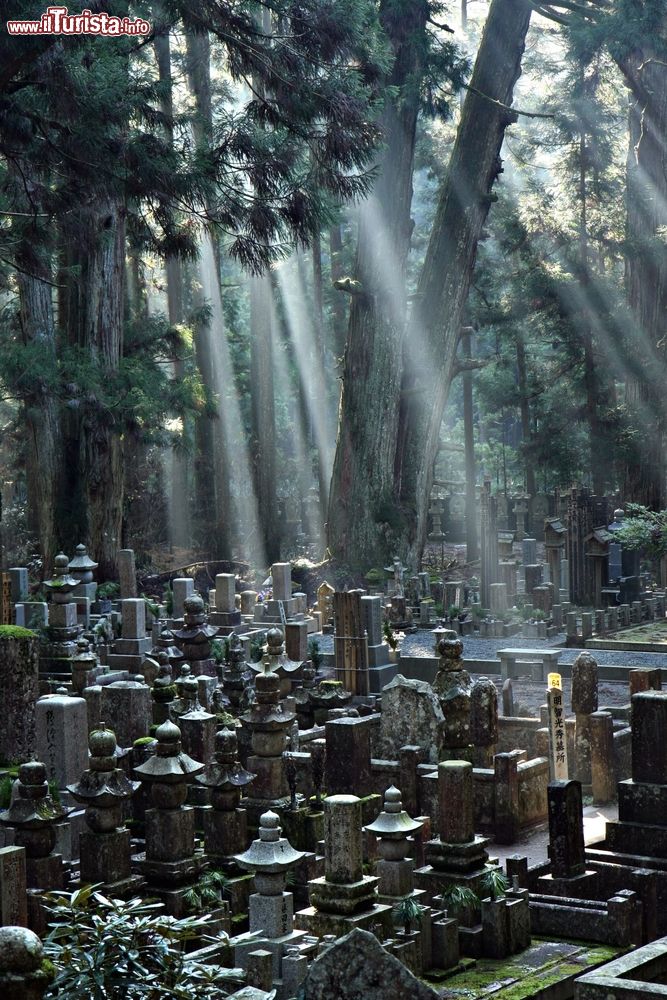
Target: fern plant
<point x="407" y="912"/>
<point x="207" y="893"/>
<point x="494" y="883"/>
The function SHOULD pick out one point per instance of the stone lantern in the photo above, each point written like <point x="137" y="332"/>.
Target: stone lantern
<point x="82" y="566"/>
<point x="392" y="828"/>
<point x="103" y="788"/>
<point x="170" y="863"/>
<point x="33" y="814"/>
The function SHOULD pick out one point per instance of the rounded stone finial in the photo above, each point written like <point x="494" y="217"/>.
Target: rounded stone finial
<point x="61" y="562"/>
<point x="194" y="605"/>
<point x="168" y="733"/>
<point x="274" y="640"/>
<point x="102" y="742"/>
<point x="21" y="951"/>
<point x="619" y="514"/>
<point x="32" y="773"/>
<point x="226" y="741"/>
<point x="185" y="670"/>
<point x="392" y="800"/>
<point x="269" y="826"/>
<point x="62" y="690"/>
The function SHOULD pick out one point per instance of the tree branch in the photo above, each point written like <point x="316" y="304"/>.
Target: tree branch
<point x="507" y="107"/>
<point x="470" y="365"/>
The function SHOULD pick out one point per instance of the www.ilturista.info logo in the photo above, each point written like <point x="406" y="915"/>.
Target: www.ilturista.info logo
<point x="58" y="21"/>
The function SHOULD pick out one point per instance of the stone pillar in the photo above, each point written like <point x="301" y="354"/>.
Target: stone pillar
<point x="649" y="745"/>
<point x="498" y="598"/>
<point x="13" y="887"/>
<point x="127" y="573"/>
<point x="126" y="706"/>
<point x="586" y="625"/>
<point x="348" y="760"/>
<point x="455" y="813"/>
<point x="506" y="797"/>
<point x="281" y="575"/>
<point x="225" y="592"/>
<point x="61" y="732"/>
<point x="182" y="588"/>
<point x="533" y="577"/>
<point x="566" y="829"/>
<point x="584" y="703"/>
<point x="602" y="757"/>
<point x="343" y="855"/>
<point x="19" y="690"/>
<point x="248" y="602"/>
<point x="296" y="641"/>
<point x="529" y="551"/>
<point x="644" y="679"/>
<point x="508" y="697"/>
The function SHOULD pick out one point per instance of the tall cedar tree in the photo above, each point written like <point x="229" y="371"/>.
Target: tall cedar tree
<point x="85" y="115"/>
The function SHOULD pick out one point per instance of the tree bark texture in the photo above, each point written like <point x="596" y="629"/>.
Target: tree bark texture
<point x="263" y="413"/>
<point x="363" y="518"/>
<point x="463" y="206"/>
<point x="93" y="315"/>
<point x="646" y="275"/>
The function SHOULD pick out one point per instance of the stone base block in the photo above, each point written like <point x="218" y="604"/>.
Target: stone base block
<point x="45" y="873"/>
<point x="316" y="922"/>
<point x="353" y="897"/>
<point x="225" y="833"/>
<point x="105" y="857"/>
<point x="379" y="676"/>
<point x="637" y="838"/>
<point x="395" y="878"/>
<point x="457" y="858"/>
<point x="164" y="873"/>
<point x="226" y="619"/>
<point x="170" y="835"/>
<point x="577" y="887"/>
<point x="272" y="914"/>
<point x="277" y="947"/>
<point x="641" y="802"/>
<point x="133" y="647"/>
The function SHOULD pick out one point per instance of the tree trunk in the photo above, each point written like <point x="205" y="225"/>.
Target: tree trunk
<point x="263" y="413"/>
<point x="472" y="543"/>
<point x="363" y="518"/>
<point x="646" y="275"/>
<point x="212" y="493"/>
<point x="93" y="307"/>
<point x="180" y="527"/>
<point x="40" y="415"/>
<point x="463" y="205"/>
<point x="524" y="409"/>
<point x="339" y="299"/>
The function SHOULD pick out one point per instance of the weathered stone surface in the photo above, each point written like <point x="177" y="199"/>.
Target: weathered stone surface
<point x="127" y="573"/>
<point x="484" y="713"/>
<point x="61" y="736"/>
<point x="13" y="885"/>
<point x="348" y="760"/>
<point x="411" y="715"/>
<point x="566" y="829"/>
<point x="455" y="791"/>
<point x="584" y="684"/>
<point x="358" y="966"/>
<point x="649" y="746"/>
<point x="343" y="857"/>
<point x="19" y="689"/>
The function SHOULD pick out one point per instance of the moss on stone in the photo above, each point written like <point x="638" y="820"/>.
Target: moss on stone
<point x="16" y="632"/>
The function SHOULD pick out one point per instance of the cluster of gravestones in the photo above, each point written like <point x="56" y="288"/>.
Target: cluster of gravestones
<point x="154" y="763"/>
